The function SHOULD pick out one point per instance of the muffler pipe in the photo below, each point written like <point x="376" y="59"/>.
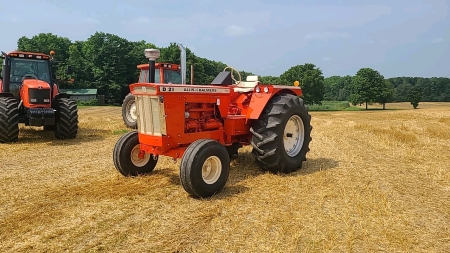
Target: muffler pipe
<point x="183" y="63"/>
<point x="6" y="72"/>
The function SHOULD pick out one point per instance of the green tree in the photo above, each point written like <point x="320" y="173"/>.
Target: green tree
<point x="82" y="73"/>
<point x="337" y="88"/>
<point x="109" y="64"/>
<point x="311" y="80"/>
<point x="415" y="96"/>
<point x="366" y="86"/>
<point x="387" y="94"/>
<point x="269" y="79"/>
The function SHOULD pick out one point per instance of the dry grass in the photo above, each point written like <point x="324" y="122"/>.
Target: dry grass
<point x="374" y="181"/>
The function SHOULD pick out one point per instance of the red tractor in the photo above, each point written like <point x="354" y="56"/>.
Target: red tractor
<point x="28" y="95"/>
<point x="205" y="125"/>
<point x="167" y="73"/>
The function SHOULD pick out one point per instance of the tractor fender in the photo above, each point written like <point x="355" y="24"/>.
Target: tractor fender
<point x="6" y="95"/>
<point x="259" y="101"/>
<point x="60" y="95"/>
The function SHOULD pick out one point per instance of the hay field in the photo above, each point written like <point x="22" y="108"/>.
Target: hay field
<point x="375" y="181"/>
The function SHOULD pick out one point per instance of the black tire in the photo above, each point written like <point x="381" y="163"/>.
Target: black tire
<point x="126" y="115"/>
<point x="192" y="163"/>
<point x="66" y="125"/>
<point x="9" y="120"/>
<point x="268" y="134"/>
<point x="123" y="156"/>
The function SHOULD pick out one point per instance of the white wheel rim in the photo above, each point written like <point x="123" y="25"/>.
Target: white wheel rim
<point x="139" y="162"/>
<point x="294" y="135"/>
<point x="131" y="108"/>
<point x="211" y="170"/>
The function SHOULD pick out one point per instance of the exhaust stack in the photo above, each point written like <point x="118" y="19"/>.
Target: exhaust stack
<point x="183" y="63"/>
<point x="6" y="72"/>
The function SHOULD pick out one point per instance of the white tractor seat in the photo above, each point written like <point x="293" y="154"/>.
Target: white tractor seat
<point x="248" y="85"/>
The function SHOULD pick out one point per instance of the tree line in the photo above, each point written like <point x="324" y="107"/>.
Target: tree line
<point x="108" y="62"/>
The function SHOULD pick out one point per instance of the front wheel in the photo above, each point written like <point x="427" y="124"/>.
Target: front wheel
<point x="205" y="167"/>
<point x="128" y="158"/>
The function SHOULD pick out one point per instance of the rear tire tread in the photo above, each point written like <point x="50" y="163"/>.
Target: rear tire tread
<point x="9" y="120"/>
<point x="267" y="131"/>
<point x="66" y="119"/>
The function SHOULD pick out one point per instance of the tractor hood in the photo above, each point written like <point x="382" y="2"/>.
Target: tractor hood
<point x="35" y="84"/>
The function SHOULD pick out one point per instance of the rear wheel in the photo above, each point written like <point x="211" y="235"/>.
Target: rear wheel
<point x="129" y="111"/>
<point x="9" y="120"/>
<point x="129" y="160"/>
<point x="205" y="167"/>
<point x="282" y="134"/>
<point x="66" y="126"/>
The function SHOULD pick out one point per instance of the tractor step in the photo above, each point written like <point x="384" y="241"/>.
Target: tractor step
<point x="41" y="117"/>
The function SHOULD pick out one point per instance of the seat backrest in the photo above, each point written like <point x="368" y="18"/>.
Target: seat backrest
<point x="252" y="78"/>
<point x="250" y="82"/>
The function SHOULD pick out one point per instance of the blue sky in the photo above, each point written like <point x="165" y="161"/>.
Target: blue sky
<point x="397" y="38"/>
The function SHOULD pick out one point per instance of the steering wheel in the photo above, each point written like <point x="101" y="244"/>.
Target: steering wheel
<point x="232" y="76"/>
<point x="44" y="76"/>
<point x="29" y="75"/>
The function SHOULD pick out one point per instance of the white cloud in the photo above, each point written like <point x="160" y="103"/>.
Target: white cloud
<point x="326" y="36"/>
<point x="235" y="30"/>
<point x="438" y="40"/>
<point x="326" y="58"/>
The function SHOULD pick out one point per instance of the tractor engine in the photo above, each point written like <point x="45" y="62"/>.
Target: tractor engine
<point x="201" y="117"/>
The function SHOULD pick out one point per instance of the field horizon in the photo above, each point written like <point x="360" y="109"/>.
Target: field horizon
<point x="375" y="180"/>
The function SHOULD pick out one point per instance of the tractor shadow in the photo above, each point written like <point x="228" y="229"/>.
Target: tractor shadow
<point x="243" y="168"/>
<point x="38" y="135"/>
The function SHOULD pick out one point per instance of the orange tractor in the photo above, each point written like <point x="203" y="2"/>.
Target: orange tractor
<point x="205" y="125"/>
<point x="28" y="95"/>
<point x="164" y="73"/>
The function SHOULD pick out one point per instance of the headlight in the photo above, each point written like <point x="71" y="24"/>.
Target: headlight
<point x="257" y="89"/>
<point x="266" y="89"/>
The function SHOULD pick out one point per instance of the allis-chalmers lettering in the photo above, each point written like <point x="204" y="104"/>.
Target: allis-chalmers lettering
<point x="191" y="89"/>
<point x="200" y="90"/>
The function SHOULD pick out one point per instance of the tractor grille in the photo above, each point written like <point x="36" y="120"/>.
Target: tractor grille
<point x="150" y="115"/>
<point x="39" y="96"/>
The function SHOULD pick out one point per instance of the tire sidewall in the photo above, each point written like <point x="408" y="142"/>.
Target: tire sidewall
<point x="125" y="156"/>
<point x="302" y="113"/>
<point x="208" y="150"/>
<point x="128" y="99"/>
